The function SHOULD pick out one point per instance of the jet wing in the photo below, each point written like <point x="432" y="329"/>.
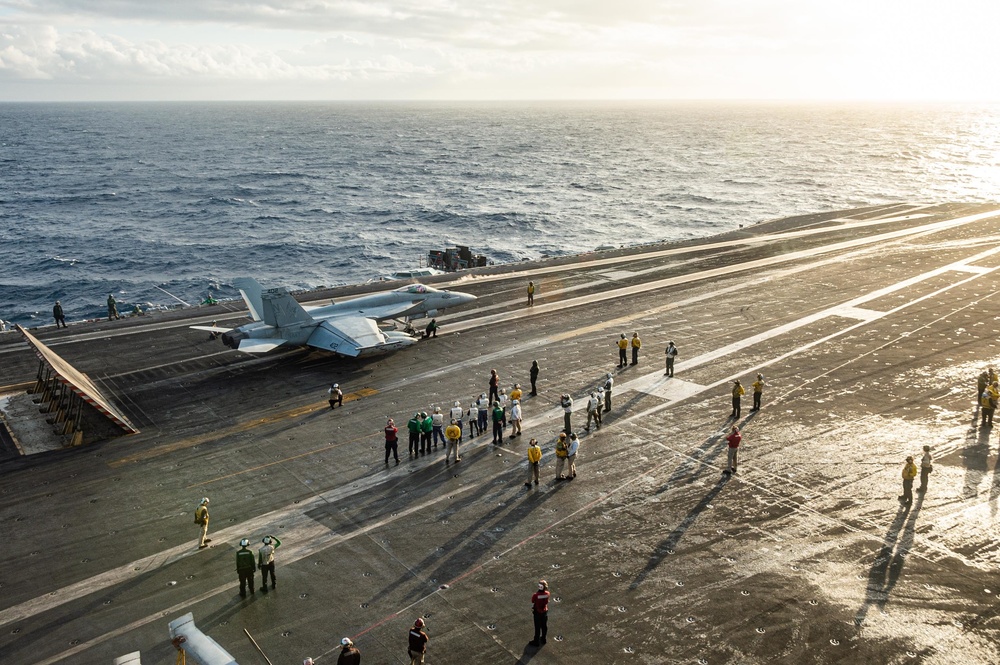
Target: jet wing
<point x="260" y="345"/>
<point x="346" y="335"/>
<point x="390" y="311"/>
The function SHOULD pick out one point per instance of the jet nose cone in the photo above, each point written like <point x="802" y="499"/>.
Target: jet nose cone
<point x="467" y="298"/>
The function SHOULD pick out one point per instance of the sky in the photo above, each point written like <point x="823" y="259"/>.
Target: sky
<point x="885" y="50"/>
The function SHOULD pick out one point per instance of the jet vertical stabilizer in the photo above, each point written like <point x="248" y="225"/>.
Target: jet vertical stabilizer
<point x="251" y="290"/>
<point x="280" y="309"/>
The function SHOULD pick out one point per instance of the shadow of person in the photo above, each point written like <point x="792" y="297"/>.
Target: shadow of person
<point x="671" y="541"/>
<point x="466" y="548"/>
<point x="975" y="458"/>
<point x="528" y="653"/>
<point x="889" y="561"/>
<point x="994" y="481"/>
<point x="697" y="460"/>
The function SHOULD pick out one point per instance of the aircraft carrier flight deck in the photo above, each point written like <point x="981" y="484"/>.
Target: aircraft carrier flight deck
<point x="870" y="327"/>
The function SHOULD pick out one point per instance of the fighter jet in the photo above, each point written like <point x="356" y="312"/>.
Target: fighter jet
<point x="349" y="328"/>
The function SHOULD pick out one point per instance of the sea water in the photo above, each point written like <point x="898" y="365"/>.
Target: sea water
<point x="159" y="203"/>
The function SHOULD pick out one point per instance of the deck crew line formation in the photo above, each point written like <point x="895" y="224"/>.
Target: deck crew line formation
<point x="481" y="510"/>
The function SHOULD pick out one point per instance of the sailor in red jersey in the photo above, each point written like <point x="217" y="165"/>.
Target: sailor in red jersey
<point x="418" y="643"/>
<point x="540" y="611"/>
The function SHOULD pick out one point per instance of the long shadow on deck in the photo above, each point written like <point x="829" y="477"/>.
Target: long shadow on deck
<point x="889" y="561"/>
<point x="670" y="542"/>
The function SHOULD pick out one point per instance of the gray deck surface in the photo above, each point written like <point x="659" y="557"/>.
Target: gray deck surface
<point x="870" y="327"/>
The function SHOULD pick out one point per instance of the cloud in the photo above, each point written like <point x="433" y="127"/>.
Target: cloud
<point x="478" y="24"/>
<point x="475" y="49"/>
<point x="43" y="53"/>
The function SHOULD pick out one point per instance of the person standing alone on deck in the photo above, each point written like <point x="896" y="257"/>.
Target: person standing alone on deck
<point x="636" y="344"/>
<point x="336" y="395"/>
<point x="622" y="351"/>
<point x="349" y="654"/>
<point x="201" y="519"/>
<point x="540" y="612"/>
<point x="534" y="377"/>
<point x="671" y="354"/>
<point x="58" y="315"/>
<point x="418" y="643"/>
<point x="733" y="440"/>
<point x="112" y="308"/>
<point x="531" y="293"/>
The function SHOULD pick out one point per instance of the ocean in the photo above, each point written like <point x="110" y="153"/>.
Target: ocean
<point x="159" y="203"/>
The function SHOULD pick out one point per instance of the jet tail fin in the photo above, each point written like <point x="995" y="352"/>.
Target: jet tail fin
<point x="279" y="309"/>
<point x="251" y="292"/>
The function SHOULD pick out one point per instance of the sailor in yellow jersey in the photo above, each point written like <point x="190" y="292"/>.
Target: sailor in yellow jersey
<point x="531" y="293"/>
<point x="758" y="390"/>
<point x="909" y="473"/>
<point x="636" y="344"/>
<point x="622" y="351"/>
<point x="738" y="392"/>
<point x="453" y="435"/>
<point x="201" y="519"/>
<point x="534" y="457"/>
